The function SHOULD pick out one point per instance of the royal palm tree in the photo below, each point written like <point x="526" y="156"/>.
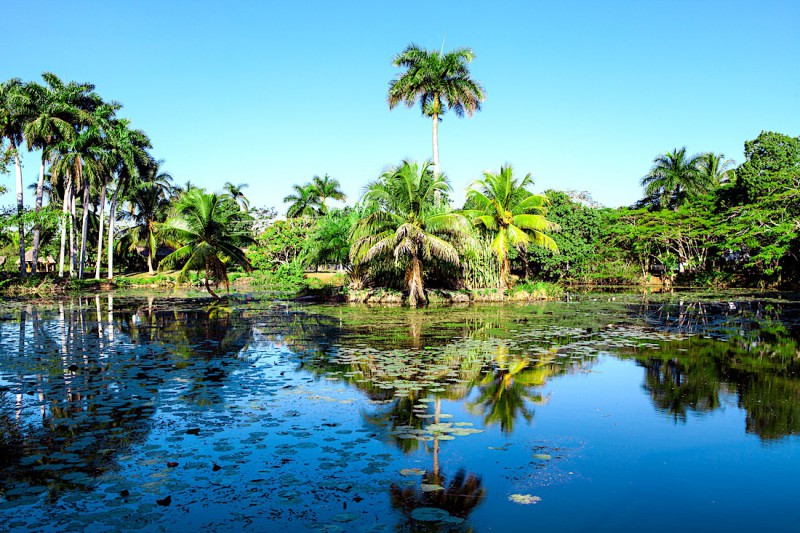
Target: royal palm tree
<point x="406" y="223"/>
<point x="715" y="170"/>
<point x="440" y="82"/>
<point x="79" y="161"/>
<point x="235" y="191"/>
<point x="302" y="201"/>
<point x="675" y="178"/>
<point x="59" y="110"/>
<point x="202" y="228"/>
<point x="327" y="187"/>
<point x="15" y="109"/>
<point x="505" y="207"/>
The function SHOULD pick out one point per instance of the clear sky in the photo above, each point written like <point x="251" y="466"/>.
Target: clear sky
<point x="583" y="95"/>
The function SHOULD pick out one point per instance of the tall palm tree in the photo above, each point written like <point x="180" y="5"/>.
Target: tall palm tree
<point x="715" y="169"/>
<point x="440" y="82"/>
<point x="133" y="161"/>
<point x="202" y="227"/>
<point x="407" y="223"/>
<point x="124" y="155"/>
<point x="80" y="161"/>
<point x="327" y="187"/>
<point x="59" y="110"/>
<point x="235" y="191"/>
<point x="674" y="178"/>
<point x="302" y="201"/>
<point x="504" y="206"/>
<point x="15" y="109"/>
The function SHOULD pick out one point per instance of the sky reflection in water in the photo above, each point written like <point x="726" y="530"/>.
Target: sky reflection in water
<point x="135" y="413"/>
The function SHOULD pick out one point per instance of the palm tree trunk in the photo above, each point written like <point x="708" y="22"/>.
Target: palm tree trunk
<point x="100" y="235"/>
<point x="112" y="212"/>
<point x="416" y="290"/>
<point x="208" y="286"/>
<point x="73" y="263"/>
<point x="84" y="228"/>
<point x="435" y="144"/>
<point x="64" y="221"/>
<point x="20" y="212"/>
<point x="505" y="270"/>
<point x="37" y="227"/>
<point x="150" y="261"/>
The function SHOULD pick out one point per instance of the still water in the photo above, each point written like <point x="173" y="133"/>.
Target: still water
<point x="652" y="413"/>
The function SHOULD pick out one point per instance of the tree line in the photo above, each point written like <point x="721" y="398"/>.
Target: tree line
<point x="94" y="163"/>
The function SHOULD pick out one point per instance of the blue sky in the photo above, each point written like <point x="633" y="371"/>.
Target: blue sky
<point x="582" y="95"/>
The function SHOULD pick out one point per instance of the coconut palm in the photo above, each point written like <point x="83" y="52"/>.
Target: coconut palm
<point x="715" y="169"/>
<point x="133" y="162"/>
<point x="302" y="201"/>
<point x="149" y="201"/>
<point x="406" y="224"/>
<point x="440" y="82"/>
<point x="327" y="187"/>
<point x="15" y="108"/>
<point x="235" y="191"/>
<point x="502" y="205"/>
<point x="675" y="178"/>
<point x="202" y="228"/>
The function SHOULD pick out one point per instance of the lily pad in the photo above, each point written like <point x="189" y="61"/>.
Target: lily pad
<point x="412" y="472"/>
<point x="524" y="499"/>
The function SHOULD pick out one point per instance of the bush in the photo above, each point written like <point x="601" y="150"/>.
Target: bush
<point x="287" y="278"/>
<point x="538" y="290"/>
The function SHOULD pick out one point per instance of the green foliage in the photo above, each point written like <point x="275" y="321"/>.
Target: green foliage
<point x="283" y="241"/>
<point x="771" y="167"/>
<point x="538" y="290"/>
<point x="329" y="242"/>
<point x="286" y="278"/>
<point x="577" y="240"/>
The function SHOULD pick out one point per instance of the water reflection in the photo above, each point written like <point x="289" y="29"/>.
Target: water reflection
<point x="746" y="351"/>
<point x="79" y="384"/>
<point x="87" y="383"/>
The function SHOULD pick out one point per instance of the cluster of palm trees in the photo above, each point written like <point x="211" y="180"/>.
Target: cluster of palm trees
<point x="405" y="220"/>
<point x="676" y="177"/>
<point x="96" y="166"/>
<point x="311" y="199"/>
<point x="94" y="160"/>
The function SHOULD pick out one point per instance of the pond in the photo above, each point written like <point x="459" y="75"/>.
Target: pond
<point x="602" y="413"/>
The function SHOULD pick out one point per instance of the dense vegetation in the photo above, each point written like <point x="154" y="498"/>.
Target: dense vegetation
<point x="102" y="196"/>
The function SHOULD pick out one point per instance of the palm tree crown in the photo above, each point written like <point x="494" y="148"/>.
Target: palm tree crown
<point x="405" y="222"/>
<point x="302" y="201"/>
<point x="327" y="187"/>
<point x="675" y="178"/>
<point x="202" y="229"/>
<point x="235" y="192"/>
<point x="502" y="205"/>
